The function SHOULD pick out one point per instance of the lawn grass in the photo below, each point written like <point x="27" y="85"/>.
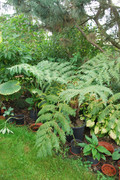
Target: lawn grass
<point x="18" y="160"/>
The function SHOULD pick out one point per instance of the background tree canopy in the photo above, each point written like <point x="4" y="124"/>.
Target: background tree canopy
<point x="57" y="14"/>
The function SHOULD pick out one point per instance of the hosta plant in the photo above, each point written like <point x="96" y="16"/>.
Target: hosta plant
<point x="93" y="149"/>
<point x="103" y="119"/>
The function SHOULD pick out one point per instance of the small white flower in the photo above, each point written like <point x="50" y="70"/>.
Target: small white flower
<point x="4" y="130"/>
<point x="9" y="131"/>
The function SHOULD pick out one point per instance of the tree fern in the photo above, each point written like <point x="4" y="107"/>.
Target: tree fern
<point x="98" y="91"/>
<point x="45" y="71"/>
<point x="102" y="69"/>
<point x="56" y="126"/>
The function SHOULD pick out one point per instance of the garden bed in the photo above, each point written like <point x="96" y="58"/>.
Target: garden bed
<point x="109" y="160"/>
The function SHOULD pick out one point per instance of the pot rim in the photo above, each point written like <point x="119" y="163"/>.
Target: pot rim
<point x="110" y="167"/>
<point x="80" y="126"/>
<point x="72" y="142"/>
<point x="74" y="153"/>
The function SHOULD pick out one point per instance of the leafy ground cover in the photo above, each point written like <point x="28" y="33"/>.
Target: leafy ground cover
<point x="18" y="160"/>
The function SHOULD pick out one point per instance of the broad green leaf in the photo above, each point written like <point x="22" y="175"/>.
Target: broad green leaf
<point x="103" y="150"/>
<point x="9" y="87"/>
<point x="94" y="139"/>
<point x="94" y="152"/>
<point x="82" y="144"/>
<point x="29" y="101"/>
<point x="86" y="148"/>
<point x="97" y="156"/>
<point x="103" y="157"/>
<point x="116" y="155"/>
<point x="88" y="139"/>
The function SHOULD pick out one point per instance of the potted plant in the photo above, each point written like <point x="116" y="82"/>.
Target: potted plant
<point x="75" y="148"/>
<point x="8" y="113"/>
<point x="32" y="107"/>
<point x="78" y="129"/>
<point x="78" y="123"/>
<point x="18" y="119"/>
<point x="108" y="170"/>
<point x="35" y="126"/>
<point x="107" y="145"/>
<point x="93" y="150"/>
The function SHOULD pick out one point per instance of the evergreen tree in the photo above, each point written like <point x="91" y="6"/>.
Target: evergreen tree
<point x="57" y="14"/>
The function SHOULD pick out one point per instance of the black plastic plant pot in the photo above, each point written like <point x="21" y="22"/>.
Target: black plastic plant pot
<point x="75" y="148"/>
<point x="33" y="114"/>
<point x="94" y="162"/>
<point x="69" y="138"/>
<point x="19" y="119"/>
<point x="11" y="120"/>
<point x="79" y="132"/>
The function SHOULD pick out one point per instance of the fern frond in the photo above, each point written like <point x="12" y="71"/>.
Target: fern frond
<point x="52" y="99"/>
<point x="103" y="68"/>
<point x="63" y="123"/>
<point x="98" y="91"/>
<point x="114" y="98"/>
<point x="44" y="117"/>
<point x="45" y="72"/>
<point x="47" y="108"/>
<point x="47" y="141"/>
<point x="65" y="108"/>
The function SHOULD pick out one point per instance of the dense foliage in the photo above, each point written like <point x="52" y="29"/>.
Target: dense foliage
<point x="57" y="14"/>
<point x="60" y="68"/>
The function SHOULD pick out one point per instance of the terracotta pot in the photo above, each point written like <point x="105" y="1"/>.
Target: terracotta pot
<point x="2" y="111"/>
<point x="108" y="170"/>
<point x="2" y="117"/>
<point x="107" y="145"/>
<point x="118" y="163"/>
<point x="34" y="127"/>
